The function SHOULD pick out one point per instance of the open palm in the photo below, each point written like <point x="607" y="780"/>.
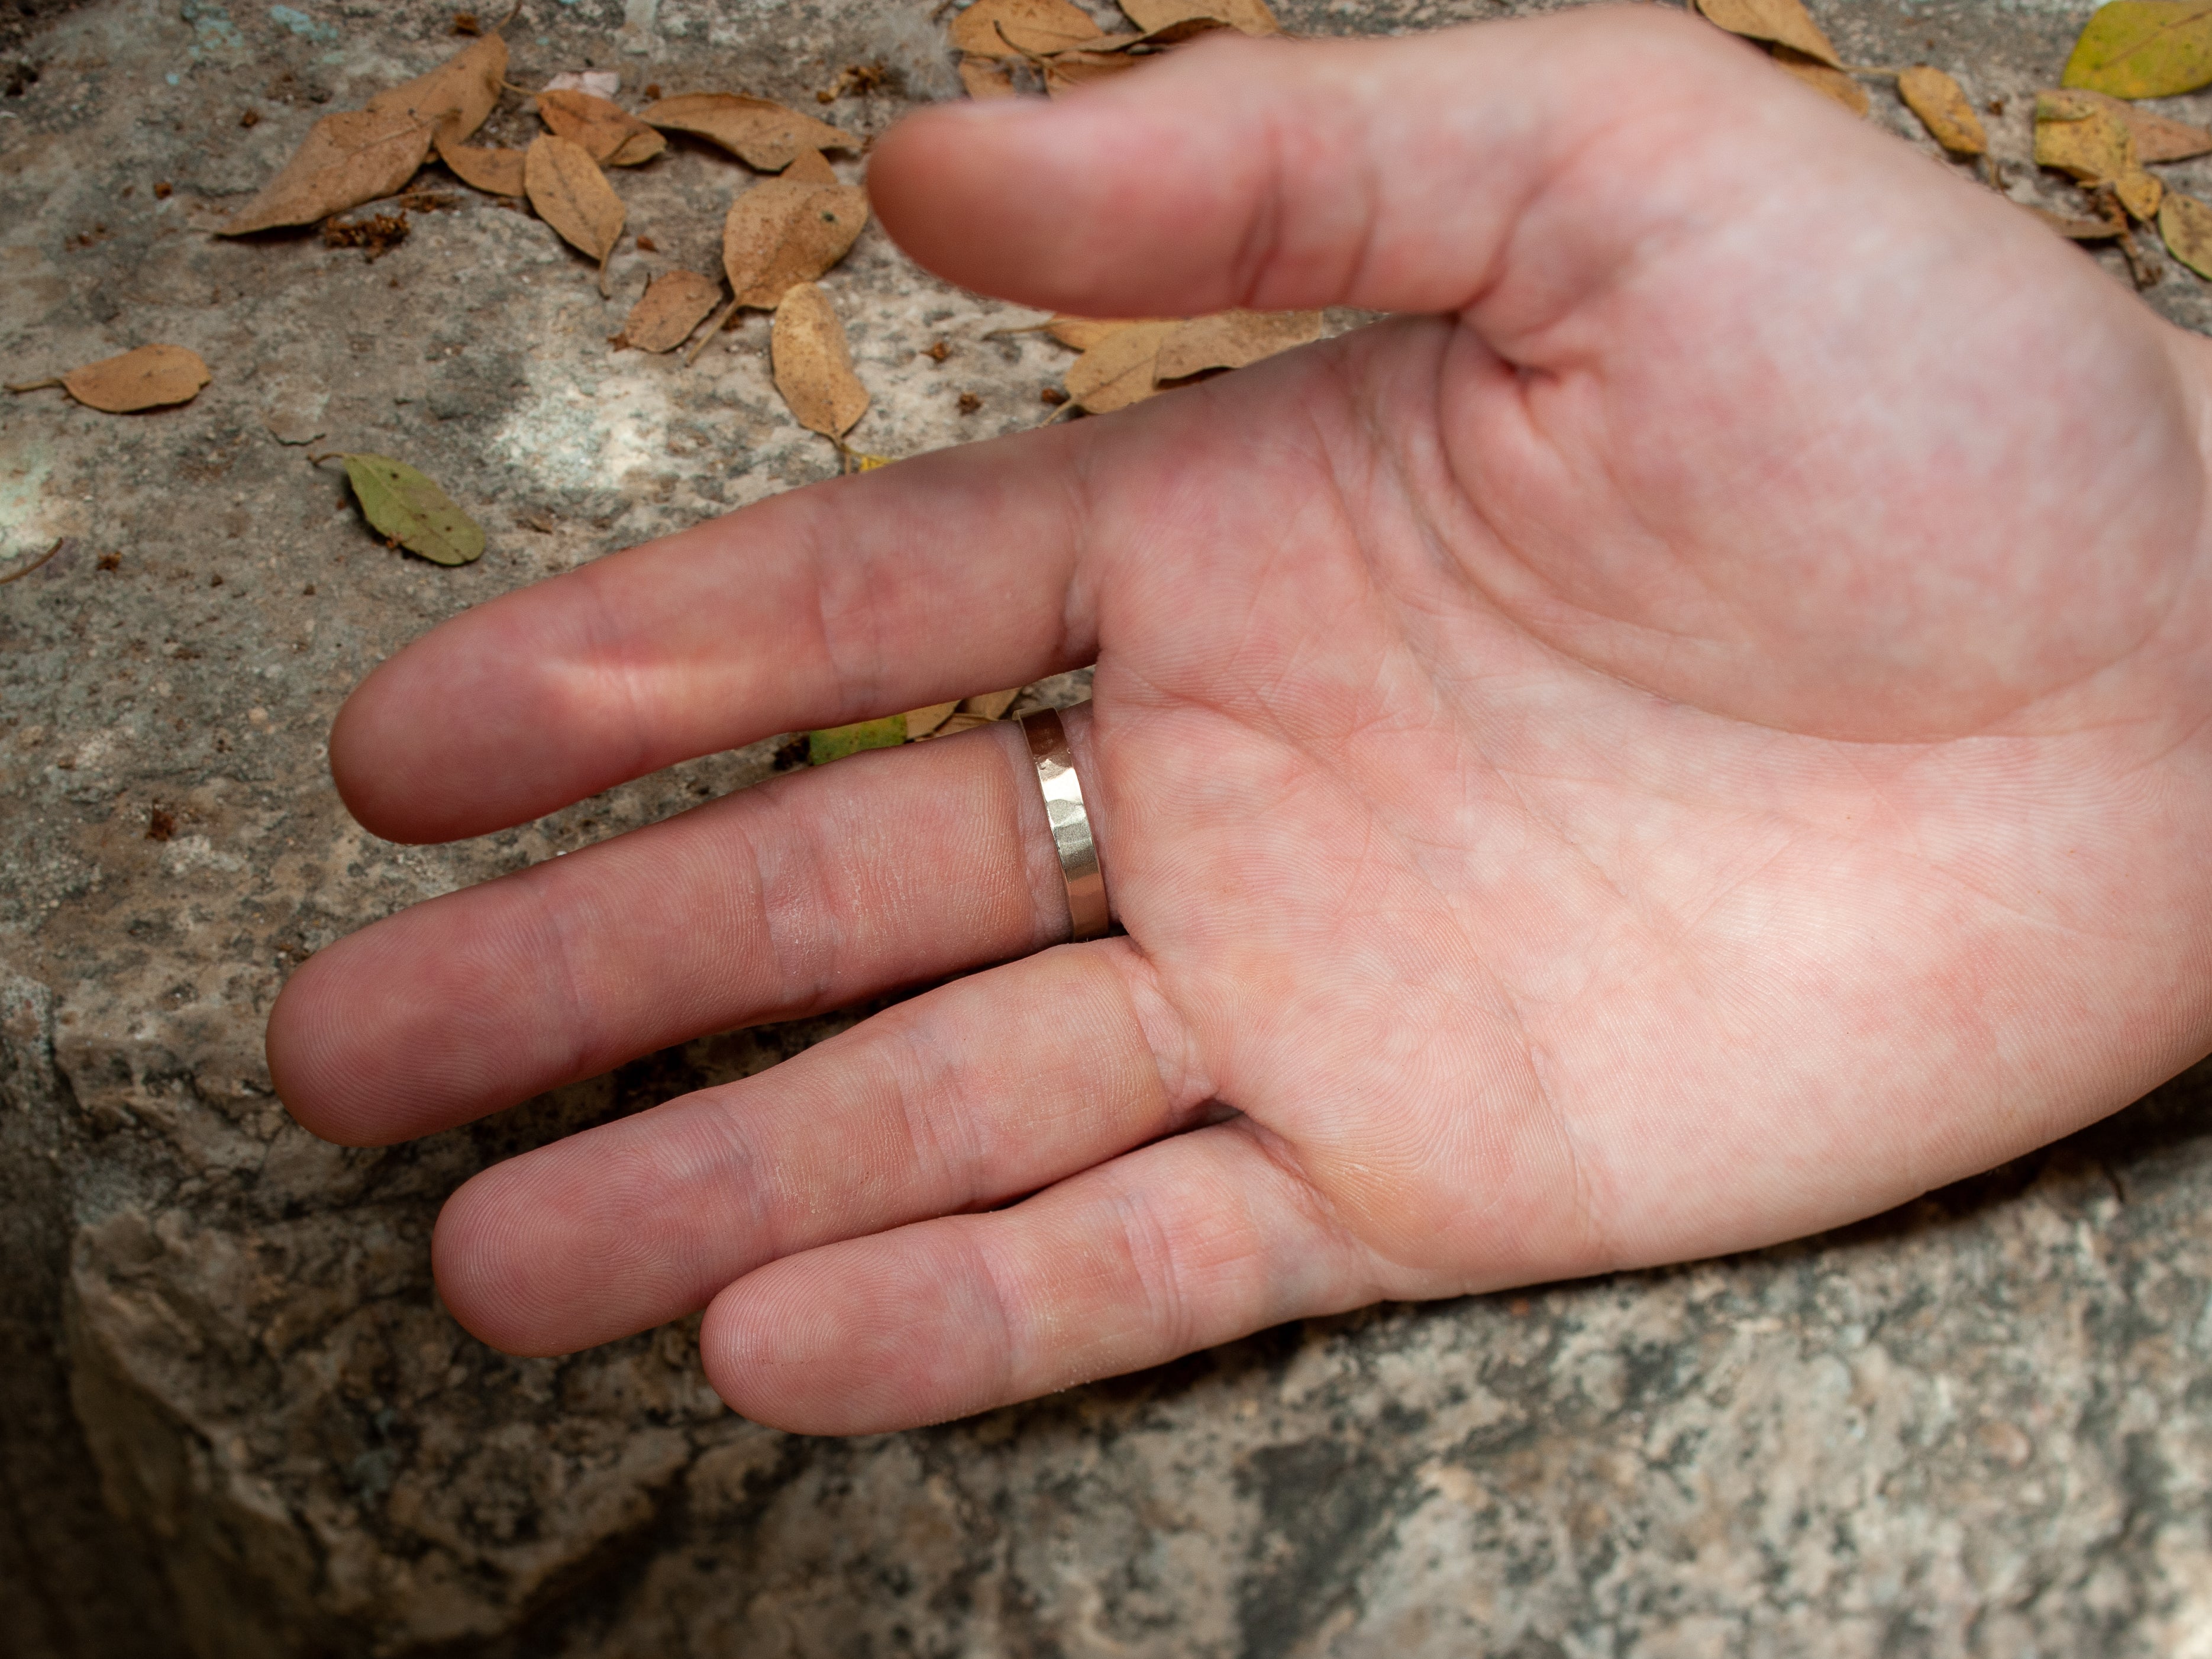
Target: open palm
<point x="1695" y="736"/>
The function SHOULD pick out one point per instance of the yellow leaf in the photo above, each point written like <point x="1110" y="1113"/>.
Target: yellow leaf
<point x="813" y="366"/>
<point x="1779" y="22"/>
<point x="2144" y="49"/>
<point x="1941" y="104"/>
<point x="2139" y="193"/>
<point x="2157" y="137"/>
<point x="2186" y="225"/>
<point x="2094" y="148"/>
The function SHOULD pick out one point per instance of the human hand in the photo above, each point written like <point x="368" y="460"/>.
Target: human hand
<point x="1695" y="739"/>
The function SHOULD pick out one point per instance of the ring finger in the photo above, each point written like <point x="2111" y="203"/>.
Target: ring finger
<point x="802" y="894"/>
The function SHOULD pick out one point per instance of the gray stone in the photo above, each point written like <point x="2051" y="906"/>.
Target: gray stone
<point x="235" y="1420"/>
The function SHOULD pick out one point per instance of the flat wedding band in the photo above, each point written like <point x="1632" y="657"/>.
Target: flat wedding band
<point x="1071" y="824"/>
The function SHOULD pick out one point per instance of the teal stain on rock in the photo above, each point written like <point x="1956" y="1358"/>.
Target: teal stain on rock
<point x="306" y="28"/>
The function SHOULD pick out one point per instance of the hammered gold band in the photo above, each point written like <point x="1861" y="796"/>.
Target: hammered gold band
<point x="1071" y="824"/>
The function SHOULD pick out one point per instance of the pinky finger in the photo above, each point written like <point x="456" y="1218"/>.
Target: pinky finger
<point x="1172" y="1248"/>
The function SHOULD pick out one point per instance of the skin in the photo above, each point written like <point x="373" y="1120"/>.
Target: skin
<point x="1689" y="734"/>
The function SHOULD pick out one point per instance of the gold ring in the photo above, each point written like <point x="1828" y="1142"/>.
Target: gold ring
<point x="1071" y="824"/>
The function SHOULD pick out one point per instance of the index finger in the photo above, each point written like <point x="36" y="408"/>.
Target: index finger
<point x="945" y="574"/>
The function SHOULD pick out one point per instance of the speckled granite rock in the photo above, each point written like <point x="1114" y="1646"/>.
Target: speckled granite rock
<point x="235" y="1420"/>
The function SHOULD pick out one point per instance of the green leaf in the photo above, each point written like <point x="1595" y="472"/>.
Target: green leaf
<point x="2144" y="49"/>
<point x="840" y="741"/>
<point x="407" y="505"/>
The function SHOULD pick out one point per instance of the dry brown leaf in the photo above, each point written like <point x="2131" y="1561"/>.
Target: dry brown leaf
<point x="1013" y="28"/>
<point x="759" y="133"/>
<point x="2139" y="193"/>
<point x="920" y="722"/>
<point x="1067" y="70"/>
<point x="784" y="231"/>
<point x="608" y="133"/>
<point x="357" y="155"/>
<point x="985" y="77"/>
<point x="1829" y="82"/>
<point x="2092" y="147"/>
<point x="2157" y="137"/>
<point x="2186" y="225"/>
<point x="813" y="367"/>
<point x="1121" y="369"/>
<point x="1941" y="104"/>
<point x="1084" y="332"/>
<point x="991" y="705"/>
<point x="354" y="156"/>
<point x="1779" y="22"/>
<point x="673" y="304"/>
<point x="957" y="721"/>
<point x="1231" y="339"/>
<point x="570" y="194"/>
<point x="812" y="168"/>
<point x="2075" y="228"/>
<point x="148" y="378"/>
<point x="1246" y="16"/>
<point x="462" y="90"/>
<point x="498" y="172"/>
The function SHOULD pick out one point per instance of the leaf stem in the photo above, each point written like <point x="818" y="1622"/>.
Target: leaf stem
<point x="18" y="575"/>
<point x="36" y="385"/>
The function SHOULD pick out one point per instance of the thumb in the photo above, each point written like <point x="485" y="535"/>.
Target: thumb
<point x="1280" y="174"/>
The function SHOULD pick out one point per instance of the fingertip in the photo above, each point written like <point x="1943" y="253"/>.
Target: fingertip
<point x="309" y="1044"/>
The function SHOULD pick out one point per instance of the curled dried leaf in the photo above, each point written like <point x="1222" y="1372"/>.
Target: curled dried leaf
<point x="673" y="304"/>
<point x="1084" y="332"/>
<point x="2157" y="137"/>
<point x="1015" y="29"/>
<point x="1246" y="16"/>
<point x="1231" y="339"/>
<point x="2075" y="228"/>
<point x="570" y="194"/>
<point x="2186" y="223"/>
<point x="812" y="168"/>
<point x="1121" y="369"/>
<point x="2090" y="145"/>
<point x="985" y="77"/>
<point x="408" y="507"/>
<point x="759" y="133"/>
<point x="1065" y="71"/>
<point x="463" y="90"/>
<point x="2139" y="193"/>
<point x="991" y="705"/>
<point x="1777" y="22"/>
<point x="1827" y="82"/>
<point x="497" y="171"/>
<point x="606" y="133"/>
<point x="784" y="231"/>
<point x="1940" y="103"/>
<point x="2144" y="49"/>
<point x="920" y="722"/>
<point x="813" y="365"/>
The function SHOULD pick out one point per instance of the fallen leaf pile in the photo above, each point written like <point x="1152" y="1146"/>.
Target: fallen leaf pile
<point x="2086" y="128"/>
<point x="1058" y="46"/>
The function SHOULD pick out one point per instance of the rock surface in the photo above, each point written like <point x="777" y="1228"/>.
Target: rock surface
<point x="235" y="1420"/>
